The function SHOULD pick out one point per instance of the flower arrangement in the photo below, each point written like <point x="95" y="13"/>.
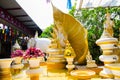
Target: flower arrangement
<point x="17" y="53"/>
<point x="33" y="53"/>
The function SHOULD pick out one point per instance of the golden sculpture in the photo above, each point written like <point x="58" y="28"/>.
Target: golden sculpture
<point x="69" y="52"/>
<point x="90" y="62"/>
<point x="55" y="51"/>
<point x="89" y="57"/>
<point x="75" y="33"/>
<point x="58" y="38"/>
<point x="108" y="24"/>
<point x="69" y="55"/>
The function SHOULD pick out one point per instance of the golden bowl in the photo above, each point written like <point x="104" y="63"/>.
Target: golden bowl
<point x="83" y="74"/>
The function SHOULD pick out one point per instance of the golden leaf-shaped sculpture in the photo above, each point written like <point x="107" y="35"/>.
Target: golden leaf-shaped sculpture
<point x="76" y="33"/>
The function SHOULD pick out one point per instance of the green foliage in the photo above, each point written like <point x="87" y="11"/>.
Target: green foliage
<point x="72" y="11"/>
<point x="47" y="32"/>
<point x="93" y="20"/>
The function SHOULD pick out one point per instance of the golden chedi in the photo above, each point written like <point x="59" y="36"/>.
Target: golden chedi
<point x="107" y="43"/>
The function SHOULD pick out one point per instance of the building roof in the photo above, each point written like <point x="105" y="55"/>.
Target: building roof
<point x="97" y="3"/>
<point x="13" y="9"/>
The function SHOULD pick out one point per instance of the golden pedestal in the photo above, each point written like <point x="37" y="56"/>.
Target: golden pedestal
<point x="56" y="59"/>
<point x="34" y="77"/>
<point x="33" y="73"/>
<point x="5" y="74"/>
<point x="56" y="65"/>
<point x="34" y="69"/>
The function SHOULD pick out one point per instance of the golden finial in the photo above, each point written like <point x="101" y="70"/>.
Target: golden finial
<point x="16" y="46"/>
<point x="36" y="34"/>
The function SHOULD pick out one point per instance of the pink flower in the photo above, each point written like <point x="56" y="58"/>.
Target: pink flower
<point x="17" y="53"/>
<point x="33" y="53"/>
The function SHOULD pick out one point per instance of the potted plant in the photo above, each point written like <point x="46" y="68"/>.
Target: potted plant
<point x="17" y="65"/>
<point x="33" y="54"/>
<point x="18" y="55"/>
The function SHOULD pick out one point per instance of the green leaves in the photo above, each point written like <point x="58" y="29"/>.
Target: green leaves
<point x="47" y="32"/>
<point x="93" y="20"/>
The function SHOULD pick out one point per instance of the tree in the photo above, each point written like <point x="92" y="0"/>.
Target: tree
<point x="93" y="20"/>
<point x="47" y="32"/>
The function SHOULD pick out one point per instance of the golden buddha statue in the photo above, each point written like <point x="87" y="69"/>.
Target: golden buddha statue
<point x="108" y="24"/>
<point x="90" y="62"/>
<point x="89" y="57"/>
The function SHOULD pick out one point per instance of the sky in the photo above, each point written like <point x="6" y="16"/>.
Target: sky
<point x="41" y="12"/>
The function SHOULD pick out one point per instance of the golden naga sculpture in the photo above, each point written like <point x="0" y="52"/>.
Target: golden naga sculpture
<point x="58" y="38"/>
<point x="74" y="32"/>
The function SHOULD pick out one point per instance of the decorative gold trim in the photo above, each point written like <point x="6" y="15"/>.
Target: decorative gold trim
<point x="107" y="75"/>
<point x="4" y="69"/>
<point x="113" y="68"/>
<point x="117" y="76"/>
<point x="35" y="67"/>
<point x="5" y="74"/>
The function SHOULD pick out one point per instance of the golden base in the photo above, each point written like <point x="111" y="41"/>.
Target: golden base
<point x="97" y="70"/>
<point x="9" y="78"/>
<point x="56" y="65"/>
<point x="16" y="71"/>
<point x="34" y="77"/>
<point x="4" y="76"/>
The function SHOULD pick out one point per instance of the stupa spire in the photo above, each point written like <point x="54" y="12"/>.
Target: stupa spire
<point x="36" y="34"/>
